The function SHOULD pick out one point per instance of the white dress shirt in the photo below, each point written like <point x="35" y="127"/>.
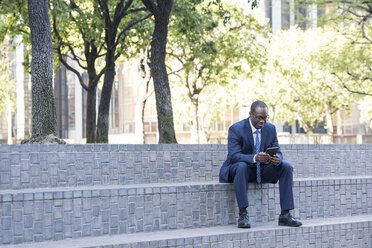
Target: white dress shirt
<point x="254" y="136"/>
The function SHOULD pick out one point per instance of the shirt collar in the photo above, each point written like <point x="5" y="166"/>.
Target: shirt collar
<point x="253" y="128"/>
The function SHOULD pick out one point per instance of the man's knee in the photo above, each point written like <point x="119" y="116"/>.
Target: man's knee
<point x="239" y="170"/>
<point x="241" y="167"/>
<point x="287" y="167"/>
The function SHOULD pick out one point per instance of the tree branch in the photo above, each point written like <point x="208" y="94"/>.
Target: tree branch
<point x="177" y="57"/>
<point x="121" y="10"/>
<point x="128" y="26"/>
<point x="356" y="92"/>
<point x="364" y="33"/>
<point x="150" y="5"/>
<point x="61" y="43"/>
<point x="355" y="77"/>
<point x="350" y="90"/>
<point x="60" y="56"/>
<point x="137" y="10"/>
<point x="74" y="6"/>
<point x="104" y="9"/>
<point x="174" y="72"/>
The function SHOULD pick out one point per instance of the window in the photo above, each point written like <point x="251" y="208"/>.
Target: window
<point x="129" y="127"/>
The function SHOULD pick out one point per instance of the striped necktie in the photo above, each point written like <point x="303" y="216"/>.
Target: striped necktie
<point x="257" y="150"/>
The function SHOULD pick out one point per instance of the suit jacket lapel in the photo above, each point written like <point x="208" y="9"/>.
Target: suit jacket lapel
<point x="263" y="138"/>
<point x="249" y="133"/>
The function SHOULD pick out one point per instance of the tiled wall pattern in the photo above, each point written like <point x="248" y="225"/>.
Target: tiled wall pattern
<point x="35" y="166"/>
<point x="357" y="235"/>
<point x="56" y="192"/>
<point x="55" y="215"/>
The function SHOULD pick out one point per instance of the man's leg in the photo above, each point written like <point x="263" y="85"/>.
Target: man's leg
<point x="286" y="187"/>
<point x="283" y="173"/>
<point x="240" y="174"/>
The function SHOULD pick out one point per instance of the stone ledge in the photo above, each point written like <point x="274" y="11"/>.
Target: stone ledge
<point x="67" y="166"/>
<point x="56" y="214"/>
<point x="164" y="147"/>
<point x="157" y="188"/>
<point x="330" y="232"/>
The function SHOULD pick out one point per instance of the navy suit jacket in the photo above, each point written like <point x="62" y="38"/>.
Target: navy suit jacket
<point x="241" y="145"/>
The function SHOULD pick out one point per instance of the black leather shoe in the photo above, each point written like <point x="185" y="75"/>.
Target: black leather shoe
<point x="243" y="221"/>
<point x="287" y="220"/>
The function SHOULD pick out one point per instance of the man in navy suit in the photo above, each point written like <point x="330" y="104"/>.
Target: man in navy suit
<point x="247" y="162"/>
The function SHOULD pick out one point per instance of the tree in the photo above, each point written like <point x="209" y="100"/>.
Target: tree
<point x="102" y="28"/>
<point x="211" y="43"/>
<point x="161" y="10"/>
<point x="145" y="91"/>
<point x="352" y="66"/>
<point x="44" y="120"/>
<point x="79" y="33"/>
<point x="353" y="20"/>
<point x="297" y="84"/>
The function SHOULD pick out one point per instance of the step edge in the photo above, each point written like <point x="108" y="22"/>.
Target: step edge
<point x="122" y="239"/>
<point x="156" y="187"/>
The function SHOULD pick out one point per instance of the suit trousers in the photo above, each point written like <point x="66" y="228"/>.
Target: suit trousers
<point x="241" y="173"/>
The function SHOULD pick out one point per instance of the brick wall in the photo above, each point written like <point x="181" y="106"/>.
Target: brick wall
<point x="34" y="166"/>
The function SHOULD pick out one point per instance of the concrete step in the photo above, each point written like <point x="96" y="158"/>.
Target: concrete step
<point x="337" y="232"/>
<point x="36" y="166"/>
<point x="35" y="215"/>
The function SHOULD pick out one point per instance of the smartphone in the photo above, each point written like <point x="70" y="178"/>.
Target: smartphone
<point x="272" y="150"/>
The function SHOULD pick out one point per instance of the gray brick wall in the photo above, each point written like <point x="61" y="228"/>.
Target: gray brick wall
<point x="74" y="213"/>
<point x="35" y="166"/>
<point x="55" y="192"/>
<point x="331" y="236"/>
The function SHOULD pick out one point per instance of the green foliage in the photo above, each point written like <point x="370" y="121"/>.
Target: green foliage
<point x="14" y="18"/>
<point x="211" y="45"/>
<point x="353" y="20"/>
<point x="84" y="22"/>
<point x="14" y="23"/>
<point x="352" y="64"/>
<point x="254" y="3"/>
<point x="298" y="84"/>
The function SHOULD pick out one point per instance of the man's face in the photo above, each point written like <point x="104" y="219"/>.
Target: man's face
<point x="259" y="117"/>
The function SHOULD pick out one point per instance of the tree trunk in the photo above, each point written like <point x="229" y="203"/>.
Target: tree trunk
<point x="273" y="112"/>
<point x="198" y="135"/>
<point x="160" y="75"/>
<point x="329" y="121"/>
<point x="91" y="115"/>
<point x="308" y="129"/>
<point x="339" y="124"/>
<point x="112" y="40"/>
<point x="194" y="126"/>
<point x="139" y="115"/>
<point x="104" y="104"/>
<point x="44" y="120"/>
<point x="144" y="94"/>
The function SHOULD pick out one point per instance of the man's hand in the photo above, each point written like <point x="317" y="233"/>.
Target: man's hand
<point x="275" y="160"/>
<point x="262" y="157"/>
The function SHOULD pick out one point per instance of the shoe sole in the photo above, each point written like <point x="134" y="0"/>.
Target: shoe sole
<point x="246" y="226"/>
<point x="283" y="224"/>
